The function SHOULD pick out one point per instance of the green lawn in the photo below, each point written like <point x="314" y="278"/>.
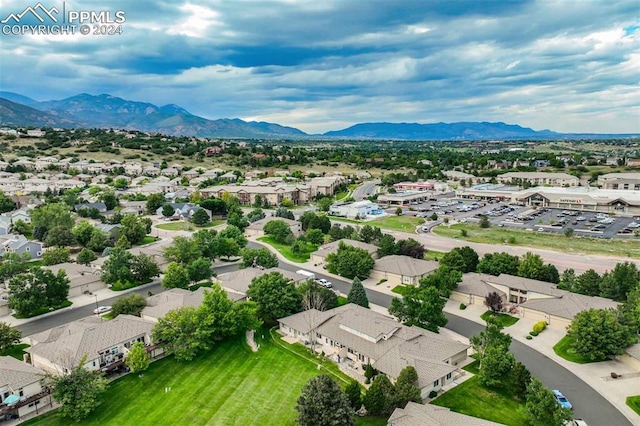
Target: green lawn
<point x="634" y="403"/>
<point x="504" y="319"/>
<point x="342" y="300"/>
<point x="394" y="223"/>
<point x="148" y="240"/>
<point x="285" y="250"/>
<point x="473" y="399"/>
<point x="564" y="349"/>
<point x="433" y="255"/>
<point x="186" y="226"/>
<point x="399" y="289"/>
<point x="64" y="304"/>
<point x="16" y="351"/>
<point x="229" y="385"/>
<point x="494" y="235"/>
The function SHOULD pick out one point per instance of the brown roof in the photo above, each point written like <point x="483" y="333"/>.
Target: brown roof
<point x="325" y="250"/>
<point x="414" y="414"/>
<point x="405" y="265"/>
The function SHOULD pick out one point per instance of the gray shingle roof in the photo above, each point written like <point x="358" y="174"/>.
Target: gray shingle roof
<point x="259" y="224"/>
<point x="160" y="304"/>
<point x="241" y="279"/>
<point x="17" y="374"/>
<point x="414" y="414"/>
<point x="525" y="284"/>
<point x="327" y="249"/>
<point x="569" y="304"/>
<point x="475" y="284"/>
<point x="405" y="265"/>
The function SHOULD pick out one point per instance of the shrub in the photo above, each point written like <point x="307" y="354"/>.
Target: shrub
<point x="528" y="337"/>
<point x="512" y="240"/>
<point x="464" y="232"/>
<point x="463" y="306"/>
<point x="539" y="327"/>
<point x="534" y="333"/>
<point x="433" y="394"/>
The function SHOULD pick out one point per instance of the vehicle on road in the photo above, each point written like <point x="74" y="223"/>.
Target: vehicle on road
<point x="309" y="275"/>
<point x="562" y="400"/>
<point x="324" y="283"/>
<point x="101" y="310"/>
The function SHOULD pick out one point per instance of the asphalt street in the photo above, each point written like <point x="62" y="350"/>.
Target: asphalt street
<point x="365" y="190"/>
<point x="588" y="404"/>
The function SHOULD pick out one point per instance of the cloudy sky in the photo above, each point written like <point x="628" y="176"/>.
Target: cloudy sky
<point x="569" y="66"/>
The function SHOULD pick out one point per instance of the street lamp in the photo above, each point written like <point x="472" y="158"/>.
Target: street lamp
<point x="97" y="312"/>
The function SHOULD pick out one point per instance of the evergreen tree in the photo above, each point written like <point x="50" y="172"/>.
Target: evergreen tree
<point x="357" y="294"/>
<point x="323" y="403"/>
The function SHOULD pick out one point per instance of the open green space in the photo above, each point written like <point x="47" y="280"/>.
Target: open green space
<point x="394" y="223"/>
<point x="564" y="349"/>
<point x="634" y="403"/>
<point x="45" y="310"/>
<point x="475" y="400"/>
<point x="285" y="250"/>
<point x="148" y="239"/>
<point x="229" y="385"/>
<point x="433" y="255"/>
<point x="504" y="319"/>
<point x="399" y="289"/>
<point x="622" y="247"/>
<point x="16" y="351"/>
<point x="186" y="226"/>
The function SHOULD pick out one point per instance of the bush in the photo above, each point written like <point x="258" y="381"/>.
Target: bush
<point x="433" y="394"/>
<point x="539" y="327"/>
<point x="463" y="306"/>
<point x="512" y="240"/>
<point x="534" y="333"/>
<point x="464" y="232"/>
<point x="528" y="337"/>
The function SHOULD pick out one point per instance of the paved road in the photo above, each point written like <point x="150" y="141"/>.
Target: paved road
<point x="365" y="190"/>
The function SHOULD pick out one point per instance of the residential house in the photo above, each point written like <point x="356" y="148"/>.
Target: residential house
<point x="160" y="304"/>
<point x="82" y="279"/>
<point x="112" y="231"/>
<point x="21" y="388"/>
<point x="414" y="414"/>
<point x="538" y="300"/>
<point x="256" y="229"/>
<point x="104" y="343"/>
<point x="239" y="281"/>
<point x="20" y="244"/>
<point x="354" y="336"/>
<point x="134" y="207"/>
<point x="183" y="210"/>
<point x="101" y="207"/>
<point x="320" y="256"/>
<point x="405" y="270"/>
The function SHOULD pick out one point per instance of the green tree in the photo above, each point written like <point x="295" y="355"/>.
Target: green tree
<point x="497" y="363"/>
<point x="55" y="255"/>
<point x="255" y="215"/>
<point x="123" y="243"/>
<point x="568" y="280"/>
<point x="275" y="295"/>
<point x="324" y="204"/>
<point x="168" y="210"/>
<point x="398" y="211"/>
<point x="380" y="397"/>
<point x="9" y="336"/>
<point x="109" y="199"/>
<point x="21" y="227"/>
<point x="49" y="216"/>
<point x="200" y="217"/>
<point x="226" y="247"/>
<point x="542" y="408"/>
<point x="499" y="263"/>
<point x="314" y="236"/>
<point x="215" y="205"/>
<point x="406" y="387"/>
<point x="588" y="283"/>
<point x="469" y="262"/>
<point x="6" y="203"/>
<point x="117" y="267"/>
<point x="59" y="237"/>
<point x="315" y="296"/>
<point x="420" y="306"/>
<point x="133" y="229"/>
<point x="323" y="402"/>
<point x="83" y="232"/>
<point x="598" y="334"/>
<point x="519" y="378"/>
<point x="278" y="230"/>
<point x="154" y="202"/>
<point x="78" y="392"/>
<point x="86" y="256"/>
<point x="131" y="304"/>
<point x="354" y="395"/>
<point x="12" y="264"/>
<point x="357" y="294"/>
<point x="138" y="358"/>
<point x="234" y="233"/>
<point x="179" y="331"/>
<point x="370" y="234"/>
<point x="284" y="213"/>
<point x="484" y="221"/>
<point x="98" y="241"/>
<point x="176" y="276"/>
<point x="200" y="269"/>
<point x="444" y="279"/>
<point x="350" y="262"/>
<point x="532" y="266"/>
<point x="258" y="257"/>
<point x="617" y="283"/>
<point x="143" y="268"/>
<point x="491" y="337"/>
<point x="33" y="291"/>
<point x="183" y="250"/>
<point x="387" y="246"/>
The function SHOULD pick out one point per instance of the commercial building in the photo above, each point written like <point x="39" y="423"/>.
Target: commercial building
<point x="624" y="181"/>
<point x="360" y="209"/>
<point x="538" y="179"/>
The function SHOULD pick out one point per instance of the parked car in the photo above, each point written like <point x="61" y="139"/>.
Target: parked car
<point x="324" y="283"/>
<point x="101" y="310"/>
<point x="562" y="400"/>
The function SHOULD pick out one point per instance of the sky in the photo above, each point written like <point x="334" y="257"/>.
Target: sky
<point x="319" y="65"/>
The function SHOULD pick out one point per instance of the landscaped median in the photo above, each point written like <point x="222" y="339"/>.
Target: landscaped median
<point x="186" y="226"/>
<point x="504" y="320"/>
<point x="394" y="223"/>
<point x="634" y="403"/>
<point x="564" y="349"/>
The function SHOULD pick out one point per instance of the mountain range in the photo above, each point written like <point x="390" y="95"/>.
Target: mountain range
<point x="106" y="111"/>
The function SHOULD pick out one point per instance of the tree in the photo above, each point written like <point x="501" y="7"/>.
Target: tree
<point x="59" y="237"/>
<point x="444" y="279"/>
<point x="234" y="233"/>
<point x="484" y="222"/>
<point x="154" y="202"/>
<point x="86" y="256"/>
<point x="143" y="268"/>
<point x="56" y="255"/>
<point x="542" y="408"/>
<point x="275" y="295"/>
<point x="370" y="234"/>
<point x="315" y="296"/>
<point x="354" y="395"/>
<point x="179" y="331"/>
<point x="168" y="210"/>
<point x="491" y="336"/>
<point x="568" y="280"/>
<point x="123" y="243"/>
<point x="420" y="306"/>
<point x="133" y="229"/>
<point x="499" y="263"/>
<point x="387" y="246"/>
<point x="226" y="247"/>
<point x="380" y="397"/>
<point x="236" y="219"/>
<point x="176" y="276"/>
<point x="117" y="267"/>
<point x="587" y="283"/>
<point x="493" y="301"/>
<point x="324" y="204"/>
<point x="497" y="363"/>
<point x="79" y="392"/>
<point x="182" y="250"/>
<point x="323" y="402"/>
<point x="314" y="236"/>
<point x="9" y="336"/>
<point x="320" y="222"/>
<point x="258" y="257"/>
<point x="519" y="379"/>
<point x="568" y="232"/>
<point x="255" y="215"/>
<point x="598" y="334"/>
<point x="411" y="248"/>
<point x="199" y="269"/>
<point x="132" y="304"/>
<point x="357" y="294"/>
<point x="284" y="212"/>
<point x="200" y="217"/>
<point x="406" y="387"/>
<point x="6" y="203"/>
<point x="12" y="264"/>
<point x="278" y="230"/>
<point x="469" y="258"/>
<point x="98" y="241"/>
<point x="620" y="281"/>
<point x="21" y="227"/>
<point x="350" y="262"/>
<point x="83" y="232"/>
<point x="138" y="358"/>
<point x="33" y="291"/>
<point x="109" y="199"/>
<point x="49" y="216"/>
<point x="398" y="211"/>
<point x="532" y="266"/>
<point x="215" y="205"/>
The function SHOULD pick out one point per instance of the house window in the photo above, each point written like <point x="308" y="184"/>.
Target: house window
<point x="28" y="248"/>
<point x="406" y="279"/>
<point x="436" y="383"/>
<point x="449" y="376"/>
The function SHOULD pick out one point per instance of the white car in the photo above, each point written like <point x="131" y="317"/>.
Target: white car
<point x="324" y="283"/>
<point x="101" y="310"/>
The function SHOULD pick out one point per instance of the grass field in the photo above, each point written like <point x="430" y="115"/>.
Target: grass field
<point x="186" y="226"/>
<point x="229" y="385"/>
<point x="634" y="403"/>
<point x="285" y="250"/>
<point x="433" y="255"/>
<point x="16" y="351"/>
<point x="613" y="247"/>
<point x="504" y="319"/>
<point x="394" y="223"/>
<point x="399" y="289"/>
<point x="564" y="349"/>
<point x="475" y="400"/>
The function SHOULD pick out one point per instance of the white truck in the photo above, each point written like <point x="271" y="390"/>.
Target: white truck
<point x="307" y="274"/>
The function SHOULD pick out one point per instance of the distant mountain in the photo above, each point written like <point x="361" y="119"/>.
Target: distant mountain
<point x="15" y="114"/>
<point x="440" y="131"/>
<point x="19" y="99"/>
<point x="106" y="111"/>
